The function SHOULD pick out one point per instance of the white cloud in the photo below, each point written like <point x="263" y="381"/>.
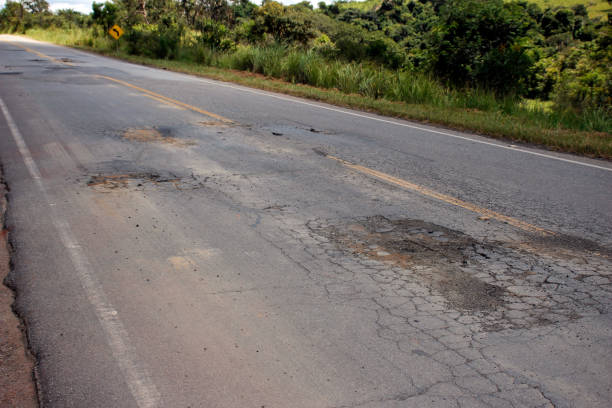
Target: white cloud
<point x="81" y="6"/>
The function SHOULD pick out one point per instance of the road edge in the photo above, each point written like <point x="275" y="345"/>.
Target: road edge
<point x="18" y="384"/>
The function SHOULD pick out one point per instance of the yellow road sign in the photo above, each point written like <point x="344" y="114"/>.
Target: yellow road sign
<point x="115" y="32"/>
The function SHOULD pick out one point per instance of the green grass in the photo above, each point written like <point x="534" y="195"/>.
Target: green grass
<point x="399" y="94"/>
<point x="75" y="37"/>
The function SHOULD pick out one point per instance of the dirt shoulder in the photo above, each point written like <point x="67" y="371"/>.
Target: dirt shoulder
<point x="17" y="387"/>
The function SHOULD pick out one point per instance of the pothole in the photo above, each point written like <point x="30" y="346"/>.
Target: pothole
<point x="111" y="182"/>
<point x="293" y="130"/>
<point x="434" y="251"/>
<point x="503" y="284"/>
<point x="155" y="136"/>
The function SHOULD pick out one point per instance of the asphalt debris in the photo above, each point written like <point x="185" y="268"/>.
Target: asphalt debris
<point x="152" y="135"/>
<point x="140" y="180"/>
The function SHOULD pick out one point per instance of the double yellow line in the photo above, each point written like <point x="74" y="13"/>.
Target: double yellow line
<point x="406" y="185"/>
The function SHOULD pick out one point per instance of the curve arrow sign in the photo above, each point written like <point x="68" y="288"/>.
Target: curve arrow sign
<point x="115" y="32"/>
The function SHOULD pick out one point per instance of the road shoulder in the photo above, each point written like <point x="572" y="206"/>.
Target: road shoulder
<point x="17" y="387"/>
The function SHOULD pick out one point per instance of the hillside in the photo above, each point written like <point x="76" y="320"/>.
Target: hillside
<point x="596" y="8"/>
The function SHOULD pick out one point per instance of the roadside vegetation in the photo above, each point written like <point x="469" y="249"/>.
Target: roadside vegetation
<point x="530" y="72"/>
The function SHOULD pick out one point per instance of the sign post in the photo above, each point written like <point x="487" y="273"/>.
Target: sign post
<point x="116" y="32"/>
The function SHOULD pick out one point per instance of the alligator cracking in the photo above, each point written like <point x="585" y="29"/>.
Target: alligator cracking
<point x="507" y="287"/>
<point x="109" y="182"/>
<point x="426" y="248"/>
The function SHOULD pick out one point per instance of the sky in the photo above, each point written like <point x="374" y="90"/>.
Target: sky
<point x="84" y="6"/>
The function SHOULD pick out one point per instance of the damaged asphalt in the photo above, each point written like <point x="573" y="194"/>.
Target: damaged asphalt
<point x="17" y="382"/>
<point x="246" y="268"/>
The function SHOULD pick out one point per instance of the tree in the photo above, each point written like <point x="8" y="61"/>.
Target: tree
<point x="105" y="14"/>
<point x="284" y="24"/>
<point x="243" y="8"/>
<point x="13" y="17"/>
<point x="218" y="10"/>
<point x="482" y="43"/>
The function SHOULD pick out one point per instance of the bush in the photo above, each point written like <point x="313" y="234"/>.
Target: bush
<point x="285" y="25"/>
<point x="324" y="46"/>
<point x="482" y="43"/>
<point x="155" y="40"/>
<point x="215" y="35"/>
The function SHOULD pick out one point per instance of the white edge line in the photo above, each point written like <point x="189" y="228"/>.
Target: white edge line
<point x="138" y="380"/>
<point x="348" y="112"/>
<point x="359" y="115"/>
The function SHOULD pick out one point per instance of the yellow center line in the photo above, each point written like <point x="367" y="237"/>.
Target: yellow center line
<point x="158" y="97"/>
<point x="443" y="197"/>
<point x="167" y="100"/>
<point x="155" y="98"/>
<point x="40" y="54"/>
<point x="361" y="169"/>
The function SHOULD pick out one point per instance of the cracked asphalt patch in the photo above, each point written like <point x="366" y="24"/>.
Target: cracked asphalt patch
<point x="110" y="182"/>
<point x="444" y="303"/>
<point x="162" y="135"/>
<point x="452" y="304"/>
<point x="413" y="243"/>
<point x="503" y="286"/>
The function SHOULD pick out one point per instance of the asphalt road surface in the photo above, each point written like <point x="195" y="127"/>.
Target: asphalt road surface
<point x="182" y="242"/>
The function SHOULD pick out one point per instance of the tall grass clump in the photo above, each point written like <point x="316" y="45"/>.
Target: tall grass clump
<point x="309" y="67"/>
<point x="327" y="75"/>
<point x="294" y="66"/>
<point x="240" y="59"/>
<point x="198" y="54"/>
<point x="348" y="77"/>
<point x="268" y="60"/>
<point x="598" y="120"/>
<point x="416" y="88"/>
<point x="478" y="99"/>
